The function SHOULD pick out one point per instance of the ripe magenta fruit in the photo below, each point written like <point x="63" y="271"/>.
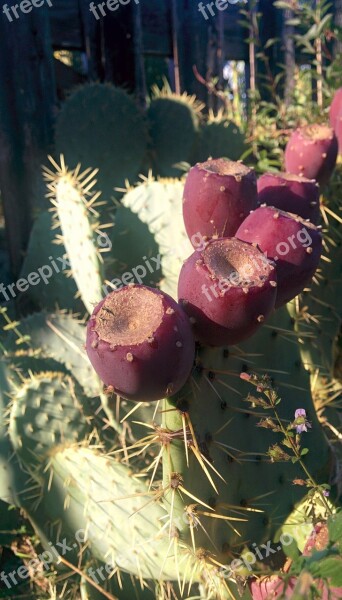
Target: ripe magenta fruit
<point x="311" y="152"/>
<point x="218" y="195"/>
<point x="291" y="193"/>
<point x="228" y="289"/>
<point x="336" y="108"/>
<point x="270" y="588"/>
<point x="140" y="342"/>
<point x="336" y="117"/>
<point x="293" y="244"/>
<point x="338" y="132"/>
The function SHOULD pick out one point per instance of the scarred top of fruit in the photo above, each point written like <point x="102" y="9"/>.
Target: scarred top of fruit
<point x="223" y="166"/>
<point x="317" y="132"/>
<point x="282" y="213"/>
<point x="129" y="317"/>
<point x="290" y="177"/>
<point x="226" y="256"/>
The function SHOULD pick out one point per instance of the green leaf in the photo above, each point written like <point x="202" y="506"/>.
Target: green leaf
<point x="304" y="451"/>
<point x="335" y="527"/>
<point x="323" y="24"/>
<point x="271" y="42"/>
<point x="291" y="550"/>
<point x="293" y="22"/>
<point x="283" y="4"/>
<point x="311" y="34"/>
<point x="331" y="568"/>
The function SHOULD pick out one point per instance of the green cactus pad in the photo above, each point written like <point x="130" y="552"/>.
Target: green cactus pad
<point x="133" y="244"/>
<point x="101" y="127"/>
<point x="98" y="494"/>
<point x="12" y="477"/>
<point x="60" y="337"/>
<point x="219" y="138"/>
<point x="159" y="205"/>
<point x="231" y="444"/>
<point x="123" y="586"/>
<point x="46" y="413"/>
<point x="59" y="291"/>
<point x="317" y="312"/>
<point x="70" y="193"/>
<point x="173" y="126"/>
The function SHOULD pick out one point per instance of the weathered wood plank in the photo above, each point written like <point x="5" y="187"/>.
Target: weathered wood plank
<point x="27" y="106"/>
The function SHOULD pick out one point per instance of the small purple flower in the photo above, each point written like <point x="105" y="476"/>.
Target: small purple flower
<point x="300" y="420"/>
<point x="326" y="493"/>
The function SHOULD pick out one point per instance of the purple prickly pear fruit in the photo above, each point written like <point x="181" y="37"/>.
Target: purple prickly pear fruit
<point x="338" y="132"/>
<point x="291" y="193"/>
<point x="273" y="587"/>
<point x="270" y="588"/>
<point x="228" y="289"/>
<point x="336" y="117"/>
<point x="311" y="152"/>
<point x="140" y="343"/>
<point x="218" y="195"/>
<point x="293" y="244"/>
<point x="335" y="108"/>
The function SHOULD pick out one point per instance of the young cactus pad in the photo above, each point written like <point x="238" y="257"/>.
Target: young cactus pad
<point x="219" y="137"/>
<point x="70" y="193"/>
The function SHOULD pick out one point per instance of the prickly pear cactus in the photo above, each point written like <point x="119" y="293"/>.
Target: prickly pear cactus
<point x="158" y="204"/>
<point x="219" y="137"/>
<point x="59" y="337"/>
<point x="12" y="478"/>
<point x="133" y="248"/>
<point x="173" y="126"/>
<point x="47" y="412"/>
<point x="169" y="492"/>
<point x="317" y="314"/>
<point x="71" y="195"/>
<point x="219" y="455"/>
<point x="101" y="127"/>
<point x="54" y="290"/>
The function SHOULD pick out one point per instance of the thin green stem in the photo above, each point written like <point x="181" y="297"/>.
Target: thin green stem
<point x="314" y="484"/>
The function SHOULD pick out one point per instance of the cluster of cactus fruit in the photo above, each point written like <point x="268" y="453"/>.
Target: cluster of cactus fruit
<point x="164" y="470"/>
<point x="140" y="342"/>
